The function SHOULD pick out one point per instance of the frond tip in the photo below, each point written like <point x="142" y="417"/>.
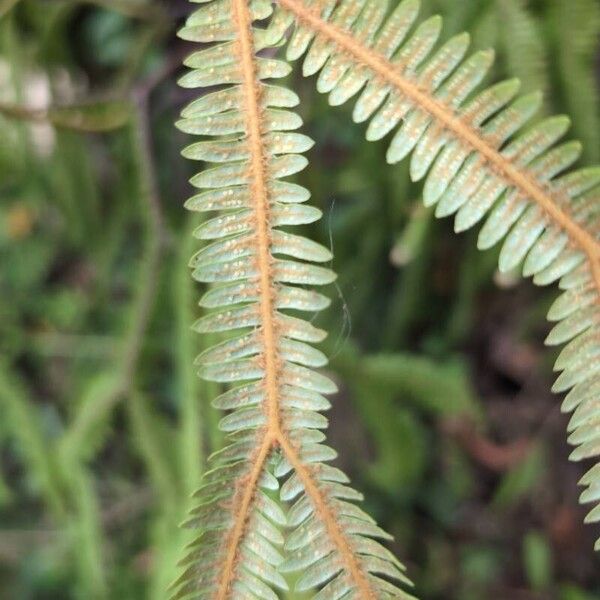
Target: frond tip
<point x="275" y="456"/>
<point x="482" y="159"/>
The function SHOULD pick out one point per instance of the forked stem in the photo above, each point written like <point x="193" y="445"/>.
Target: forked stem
<point x="274" y="435"/>
<point x="247" y="487"/>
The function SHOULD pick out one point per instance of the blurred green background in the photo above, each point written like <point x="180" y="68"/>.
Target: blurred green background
<point x="444" y="419"/>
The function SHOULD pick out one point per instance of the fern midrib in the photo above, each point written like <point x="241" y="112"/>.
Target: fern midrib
<point x="259" y="193"/>
<point x="251" y="93"/>
<point x="274" y="435"/>
<point x="504" y="168"/>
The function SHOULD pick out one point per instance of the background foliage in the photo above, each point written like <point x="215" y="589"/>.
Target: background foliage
<point x="445" y="417"/>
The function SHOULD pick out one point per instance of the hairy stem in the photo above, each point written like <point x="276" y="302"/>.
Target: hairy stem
<point x="260" y="196"/>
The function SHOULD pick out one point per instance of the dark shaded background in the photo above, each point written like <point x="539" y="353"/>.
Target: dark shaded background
<point x="445" y="419"/>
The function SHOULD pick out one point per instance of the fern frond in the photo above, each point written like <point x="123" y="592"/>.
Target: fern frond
<point x="482" y="159"/>
<point x="259" y="272"/>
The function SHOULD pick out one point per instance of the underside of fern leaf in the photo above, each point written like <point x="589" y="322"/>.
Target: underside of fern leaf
<point x="250" y="545"/>
<point x="483" y="160"/>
